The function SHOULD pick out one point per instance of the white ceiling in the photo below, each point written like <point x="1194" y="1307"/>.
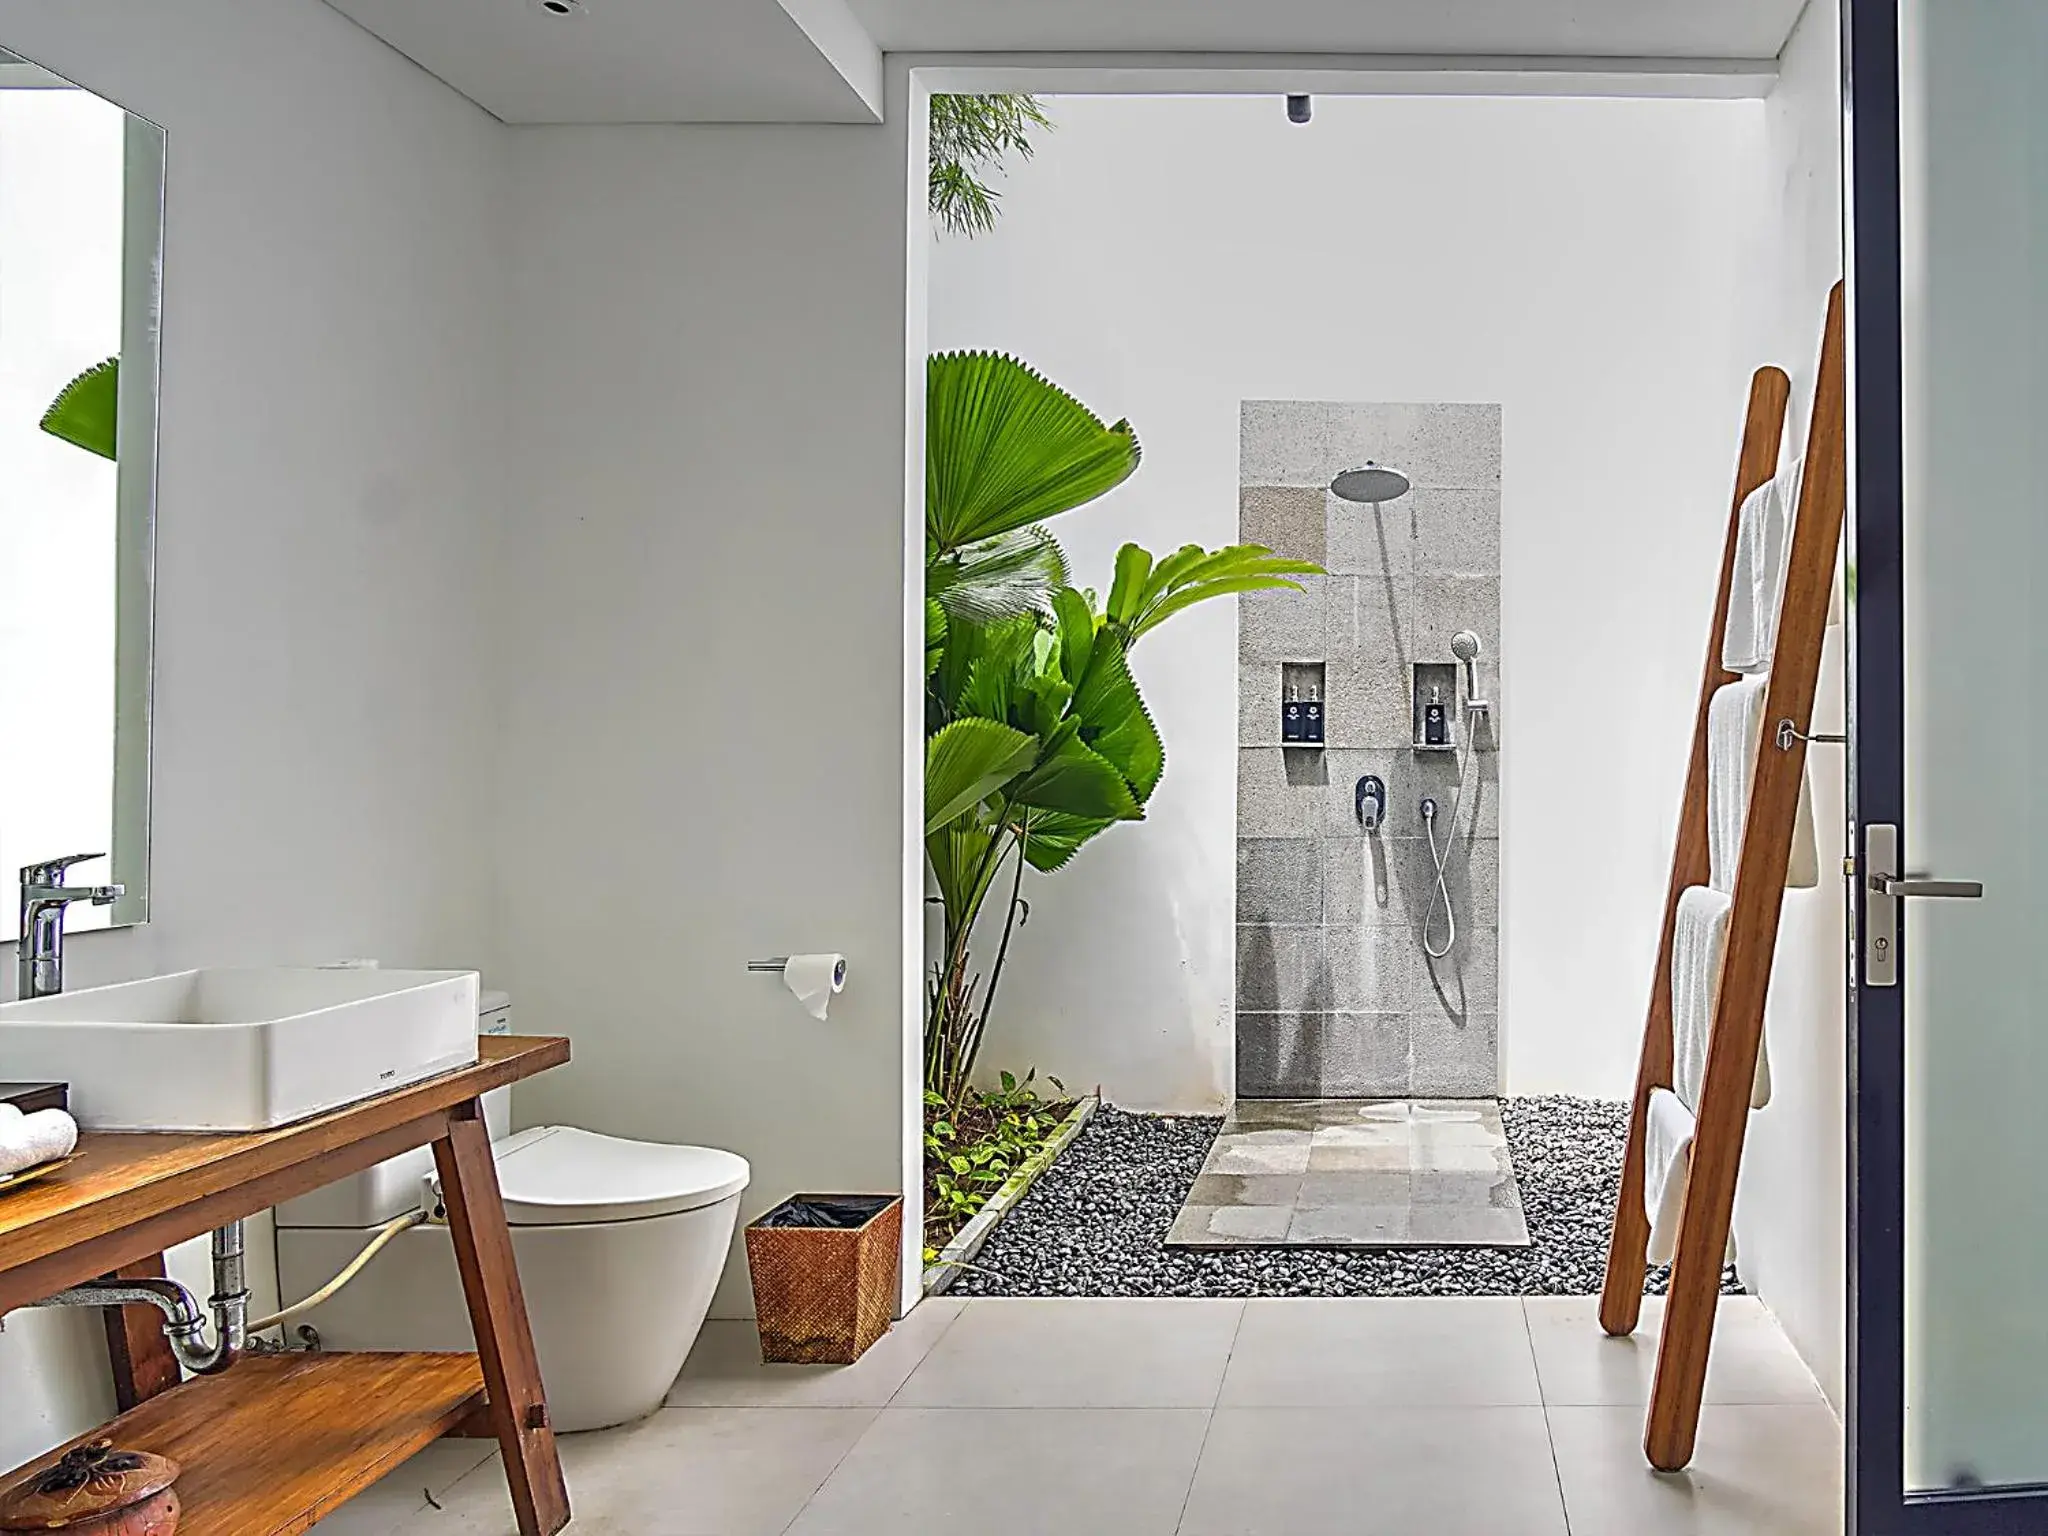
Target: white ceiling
<point x="819" y="60"/>
<point x="1690" y="29"/>
<point x="641" y="61"/>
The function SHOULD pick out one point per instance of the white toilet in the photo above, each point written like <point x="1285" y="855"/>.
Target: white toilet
<point x="619" y="1244"/>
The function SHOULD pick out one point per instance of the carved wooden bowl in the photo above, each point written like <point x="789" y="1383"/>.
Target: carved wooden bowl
<point x="97" y="1490"/>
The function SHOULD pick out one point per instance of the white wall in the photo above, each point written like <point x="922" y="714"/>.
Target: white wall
<point x="709" y="711"/>
<point x="1576" y="261"/>
<point x="1790" y="1209"/>
<point x="328" y="510"/>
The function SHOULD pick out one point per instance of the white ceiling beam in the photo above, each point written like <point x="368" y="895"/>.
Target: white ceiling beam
<point x="1175" y="74"/>
<point x="843" y="43"/>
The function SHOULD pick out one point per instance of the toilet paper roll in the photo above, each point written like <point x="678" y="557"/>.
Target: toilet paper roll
<point x="812" y="979"/>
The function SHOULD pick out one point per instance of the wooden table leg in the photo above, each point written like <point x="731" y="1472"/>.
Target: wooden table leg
<point x="140" y="1355"/>
<point x="497" y="1313"/>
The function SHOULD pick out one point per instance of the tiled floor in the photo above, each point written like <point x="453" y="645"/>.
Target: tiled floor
<point x="1356" y="1173"/>
<point x="1472" y="1416"/>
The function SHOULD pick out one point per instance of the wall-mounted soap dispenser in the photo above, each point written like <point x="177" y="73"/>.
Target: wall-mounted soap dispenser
<point x="1302" y="722"/>
<point x="1435" y="706"/>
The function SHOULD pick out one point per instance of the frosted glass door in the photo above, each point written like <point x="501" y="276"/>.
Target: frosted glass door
<point x="1974" y="269"/>
<point x="1947" y="111"/>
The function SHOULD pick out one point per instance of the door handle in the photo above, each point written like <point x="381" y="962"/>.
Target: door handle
<point x="1893" y="885"/>
<point x="1884" y="886"/>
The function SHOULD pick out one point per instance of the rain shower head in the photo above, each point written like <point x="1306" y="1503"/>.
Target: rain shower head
<point x="1370" y="482"/>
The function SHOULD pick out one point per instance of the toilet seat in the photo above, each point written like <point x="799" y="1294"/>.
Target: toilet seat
<point x="558" y="1175"/>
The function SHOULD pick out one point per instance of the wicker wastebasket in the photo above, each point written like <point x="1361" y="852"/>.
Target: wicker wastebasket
<point x="825" y="1269"/>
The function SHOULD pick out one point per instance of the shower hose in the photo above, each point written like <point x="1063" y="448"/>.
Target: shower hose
<point x="1441" y="858"/>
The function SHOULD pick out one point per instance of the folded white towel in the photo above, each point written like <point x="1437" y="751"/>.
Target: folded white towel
<point x="1699" y="947"/>
<point x="1735" y="718"/>
<point x="1735" y="734"/>
<point x="1756" y="585"/>
<point x="1667" y="1169"/>
<point x="1699" y="941"/>
<point x="27" y="1140"/>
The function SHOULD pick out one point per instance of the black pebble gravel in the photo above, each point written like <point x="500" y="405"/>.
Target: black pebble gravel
<point x="1094" y="1223"/>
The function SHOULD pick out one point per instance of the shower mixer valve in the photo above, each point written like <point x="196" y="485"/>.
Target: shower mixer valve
<point x="1370" y="800"/>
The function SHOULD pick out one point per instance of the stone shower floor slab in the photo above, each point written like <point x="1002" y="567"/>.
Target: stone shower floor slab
<point x="1356" y="1173"/>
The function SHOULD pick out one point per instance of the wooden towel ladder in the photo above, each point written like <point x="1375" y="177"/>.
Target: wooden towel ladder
<point x="1722" y="1114"/>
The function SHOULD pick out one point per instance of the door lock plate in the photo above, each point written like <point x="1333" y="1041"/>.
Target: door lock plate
<point x="1880" y="910"/>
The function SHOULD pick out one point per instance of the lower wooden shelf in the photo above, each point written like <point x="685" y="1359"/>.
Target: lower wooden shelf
<point x="276" y="1442"/>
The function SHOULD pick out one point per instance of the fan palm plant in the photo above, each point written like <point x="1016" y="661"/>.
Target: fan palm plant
<point x="1037" y="738"/>
<point x="86" y="410"/>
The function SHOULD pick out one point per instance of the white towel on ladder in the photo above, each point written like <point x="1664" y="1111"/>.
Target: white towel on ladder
<point x="1667" y="1171"/>
<point x="1735" y="734"/>
<point x="1699" y="946"/>
<point x="1756" y="585"/>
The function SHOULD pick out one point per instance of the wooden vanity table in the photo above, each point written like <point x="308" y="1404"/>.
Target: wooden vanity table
<point x="276" y="1442"/>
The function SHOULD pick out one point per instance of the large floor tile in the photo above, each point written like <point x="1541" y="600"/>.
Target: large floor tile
<point x="680" y="1472"/>
<point x="1370" y="1472"/>
<point x="1465" y="1351"/>
<point x="391" y="1503"/>
<point x="725" y="1369"/>
<point x="1012" y="1472"/>
<point x="1759" y="1470"/>
<point x="1077" y="1353"/>
<point x="1751" y="1361"/>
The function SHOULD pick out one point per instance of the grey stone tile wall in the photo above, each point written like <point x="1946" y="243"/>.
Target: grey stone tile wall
<point x="1335" y="995"/>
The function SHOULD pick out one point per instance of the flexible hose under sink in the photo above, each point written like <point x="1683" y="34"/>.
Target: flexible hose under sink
<point x="354" y="1267"/>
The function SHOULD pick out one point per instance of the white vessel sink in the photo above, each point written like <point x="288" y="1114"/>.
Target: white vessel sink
<point x="240" y="1050"/>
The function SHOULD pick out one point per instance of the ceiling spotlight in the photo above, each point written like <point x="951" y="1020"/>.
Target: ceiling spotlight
<point x="1298" y="108"/>
<point x="561" y="7"/>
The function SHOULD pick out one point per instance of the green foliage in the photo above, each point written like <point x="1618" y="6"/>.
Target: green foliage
<point x="972" y="1150"/>
<point x="1005" y="449"/>
<point x="85" y="411"/>
<point x="971" y="137"/>
<point x="968" y="760"/>
<point x="1038" y="738"/>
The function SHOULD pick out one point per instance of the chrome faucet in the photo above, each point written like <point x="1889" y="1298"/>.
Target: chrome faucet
<point x="39" y="959"/>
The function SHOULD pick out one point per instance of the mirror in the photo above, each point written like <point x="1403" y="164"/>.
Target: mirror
<point x="81" y="246"/>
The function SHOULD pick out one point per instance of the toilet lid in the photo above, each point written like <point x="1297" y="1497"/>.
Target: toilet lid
<point x="556" y="1175"/>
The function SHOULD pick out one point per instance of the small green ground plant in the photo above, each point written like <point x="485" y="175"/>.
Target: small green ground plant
<point x="972" y="1149"/>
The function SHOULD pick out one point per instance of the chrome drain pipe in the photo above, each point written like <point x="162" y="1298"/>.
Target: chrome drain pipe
<point x="185" y="1321"/>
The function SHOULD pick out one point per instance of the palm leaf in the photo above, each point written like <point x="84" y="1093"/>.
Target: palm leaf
<point x="86" y="411"/>
<point x="1076" y="620"/>
<point x="1000" y="578"/>
<point x="1190" y="576"/>
<point x="999" y="679"/>
<point x="1114" y="722"/>
<point x="1072" y="777"/>
<point x="1053" y="837"/>
<point x="934" y="637"/>
<point x="1133" y="565"/>
<point x="1005" y="449"/>
<point x="968" y="761"/>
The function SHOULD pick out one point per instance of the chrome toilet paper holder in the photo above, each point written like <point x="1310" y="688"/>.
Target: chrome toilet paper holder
<point x="777" y="964"/>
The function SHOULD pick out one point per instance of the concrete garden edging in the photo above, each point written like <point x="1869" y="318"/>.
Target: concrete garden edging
<point x="959" y="1253"/>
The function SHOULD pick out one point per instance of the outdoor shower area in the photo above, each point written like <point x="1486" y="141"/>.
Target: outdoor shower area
<point x="1363" y="992"/>
<point x="1368" y="839"/>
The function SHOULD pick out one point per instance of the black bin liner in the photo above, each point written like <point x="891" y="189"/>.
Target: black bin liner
<point x="840" y="1212"/>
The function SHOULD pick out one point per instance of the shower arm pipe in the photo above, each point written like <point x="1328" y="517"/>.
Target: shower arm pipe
<point x="185" y="1321"/>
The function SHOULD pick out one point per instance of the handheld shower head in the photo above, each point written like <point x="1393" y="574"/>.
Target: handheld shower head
<point x="1466" y="647"/>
